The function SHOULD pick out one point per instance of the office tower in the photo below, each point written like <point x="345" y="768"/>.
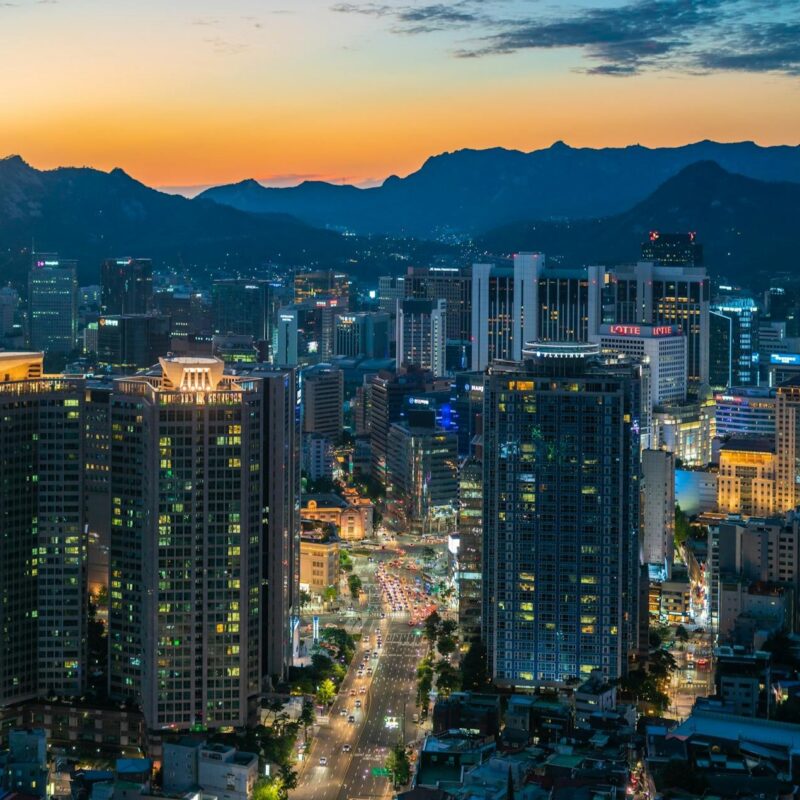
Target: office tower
<point x="470" y="547"/>
<point x="746" y="410"/>
<point x="451" y="284"/>
<point x="362" y="334"/>
<point x="787" y="445"/>
<point x="127" y="286"/>
<point x="685" y="429"/>
<point x="322" y="388"/>
<point x="188" y="310"/>
<point x="391" y="289"/>
<point x="567" y="303"/>
<point x="52" y="304"/>
<point x="387" y="404"/>
<point x="322" y="284"/>
<point x="662" y="348"/>
<point x="422" y="474"/>
<point x="236" y="349"/>
<point x="733" y="351"/>
<point x="242" y="308"/>
<point x="658" y="509"/>
<point x="561" y="516"/>
<point x="42" y="547"/>
<point x="746" y="478"/>
<point x="421" y="334"/>
<point x="467" y="407"/>
<point x="673" y="249"/>
<point x="503" y="309"/>
<point x="132" y="341"/>
<point x="286" y="349"/>
<point x="185" y="555"/>
<point x="649" y="294"/>
<point x="12" y="332"/>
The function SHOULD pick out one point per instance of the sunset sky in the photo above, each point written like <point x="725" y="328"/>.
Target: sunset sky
<point x="196" y="92"/>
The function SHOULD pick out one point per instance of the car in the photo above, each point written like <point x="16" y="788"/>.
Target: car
<point x="343" y="712"/>
<point x="383" y="616"/>
<point x="369" y="672"/>
<point x="358" y="704"/>
<point x="346" y="748"/>
<point x="362" y="690"/>
<point x="360" y="673"/>
<point x="375" y="654"/>
<point x="323" y="761"/>
<point x="352" y="693"/>
<point x="351" y="719"/>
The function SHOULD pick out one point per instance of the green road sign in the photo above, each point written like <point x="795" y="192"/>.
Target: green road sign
<point x="380" y="772"/>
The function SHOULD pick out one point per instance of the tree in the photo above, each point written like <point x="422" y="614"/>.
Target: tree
<point x="432" y="627"/>
<point x="448" y="678"/>
<point x="674" y="775"/>
<point x="446" y="645"/>
<point x="682" y="528"/>
<point x="305" y="598"/>
<point x="326" y="692"/>
<point x="267" y="789"/>
<point x="330" y="594"/>
<point x="354" y="584"/>
<point x="398" y="765"/>
<point x="307" y="718"/>
<point x="474" y="672"/>
<point x="681" y="634"/>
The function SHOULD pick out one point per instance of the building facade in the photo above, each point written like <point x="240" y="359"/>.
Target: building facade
<point x="52" y="304"/>
<point x="561" y="516"/>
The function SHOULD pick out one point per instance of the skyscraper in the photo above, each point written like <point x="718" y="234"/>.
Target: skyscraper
<point x="733" y="342"/>
<point x="561" y="515"/>
<point x="787" y="445"/>
<point x="323" y="401"/>
<point x="42" y="547"/>
<point x="658" y="509"/>
<point x="673" y="249"/>
<point x="127" y="285"/>
<point x="202" y="564"/>
<point x="649" y="294"/>
<point x="451" y="284"/>
<point x="242" y="307"/>
<point x="52" y="304"/>
<point x="421" y="334"/>
<point x="132" y="341"/>
<point x="362" y="334"/>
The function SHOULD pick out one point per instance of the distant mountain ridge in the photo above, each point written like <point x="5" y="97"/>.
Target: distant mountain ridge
<point x="471" y="191"/>
<point x="748" y="227"/>
<point x="90" y="215"/>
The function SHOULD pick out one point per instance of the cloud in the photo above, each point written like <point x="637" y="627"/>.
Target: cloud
<point x="417" y="19"/>
<point x="621" y="40"/>
<point x="226" y="47"/>
<point x="768" y="47"/>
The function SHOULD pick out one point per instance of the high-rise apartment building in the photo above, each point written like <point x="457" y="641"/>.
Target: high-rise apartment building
<point x="42" y="547"/>
<point x="52" y="304"/>
<point x="421" y="334"/>
<point x="127" y="286"/>
<point x="561" y="515"/>
<point x="673" y="249"/>
<point x="203" y="547"/>
<point x="469" y="565"/>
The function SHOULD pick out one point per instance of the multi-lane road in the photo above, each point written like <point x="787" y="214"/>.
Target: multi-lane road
<point x="343" y="755"/>
<point x="347" y="774"/>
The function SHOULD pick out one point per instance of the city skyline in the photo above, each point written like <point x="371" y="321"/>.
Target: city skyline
<point x="356" y="92"/>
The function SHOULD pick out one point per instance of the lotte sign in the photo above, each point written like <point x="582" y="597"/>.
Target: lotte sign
<point x="638" y="330"/>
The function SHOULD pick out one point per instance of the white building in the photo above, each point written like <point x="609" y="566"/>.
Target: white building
<point x="658" y="508"/>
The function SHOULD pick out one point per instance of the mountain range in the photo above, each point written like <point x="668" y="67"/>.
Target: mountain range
<point x="471" y="191"/>
<point x="747" y="225"/>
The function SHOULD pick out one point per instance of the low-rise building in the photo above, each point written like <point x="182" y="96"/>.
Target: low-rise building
<point x="743" y="680"/>
<point x="319" y="556"/>
<point x="216" y="769"/>
<point x="352" y="515"/>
